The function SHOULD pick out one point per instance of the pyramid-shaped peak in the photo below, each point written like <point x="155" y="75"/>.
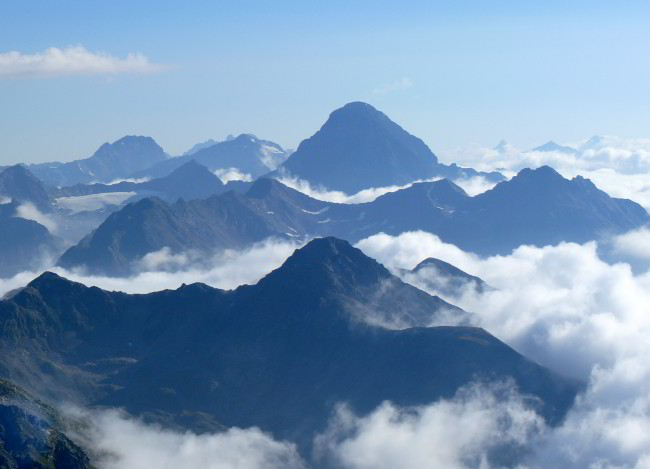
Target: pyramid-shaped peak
<point x="447" y="184"/>
<point x="192" y="172"/>
<point x="17" y="169"/>
<point x="18" y="174"/>
<point x="357" y="111"/>
<point x="551" y="146"/>
<point x="338" y="258"/>
<point x="262" y="187"/>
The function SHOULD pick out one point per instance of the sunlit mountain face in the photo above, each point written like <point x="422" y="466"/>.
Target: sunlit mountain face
<point x="276" y="235"/>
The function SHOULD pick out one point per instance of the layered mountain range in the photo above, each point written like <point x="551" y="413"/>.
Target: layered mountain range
<point x="247" y="154"/>
<point x="537" y="207"/>
<point x="330" y="326"/>
<point x="111" y="161"/>
<point x="191" y="180"/>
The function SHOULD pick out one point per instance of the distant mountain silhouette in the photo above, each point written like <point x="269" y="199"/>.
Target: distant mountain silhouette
<point x="246" y="153"/>
<point x="200" y="146"/>
<point x="537" y="207"/>
<point x="189" y="181"/>
<point x="279" y="354"/>
<point x="359" y="147"/>
<point x="111" y="161"/>
<point x="445" y="278"/>
<point x="20" y="185"/>
<point x="31" y="434"/>
<point x="593" y="143"/>
<point x="24" y="244"/>
<point x="554" y="147"/>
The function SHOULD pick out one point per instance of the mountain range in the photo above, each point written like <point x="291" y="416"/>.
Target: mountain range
<point x="537" y="207"/>
<point x="279" y="354"/>
<point x="248" y="155"/>
<point x="117" y="160"/>
<point x="330" y="326"/>
<point x="189" y="181"/>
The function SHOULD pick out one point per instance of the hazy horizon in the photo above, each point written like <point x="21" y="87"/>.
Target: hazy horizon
<point x="74" y="76"/>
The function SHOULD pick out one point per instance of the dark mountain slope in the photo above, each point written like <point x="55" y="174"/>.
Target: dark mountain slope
<point x="31" y="434"/>
<point x="279" y="354"/>
<point x="229" y="220"/>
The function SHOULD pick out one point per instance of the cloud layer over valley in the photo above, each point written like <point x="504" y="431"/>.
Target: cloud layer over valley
<point x="166" y="270"/>
<point x="568" y="309"/>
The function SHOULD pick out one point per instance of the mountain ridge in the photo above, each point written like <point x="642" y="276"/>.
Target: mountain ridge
<point x="278" y="354"/>
<point x="537" y="207"/>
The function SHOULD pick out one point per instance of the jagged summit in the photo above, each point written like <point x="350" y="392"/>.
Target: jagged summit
<point x="544" y="172"/>
<point x="245" y="153"/>
<point x="262" y="187"/>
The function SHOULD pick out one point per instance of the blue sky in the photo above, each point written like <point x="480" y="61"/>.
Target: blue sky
<point x="452" y="73"/>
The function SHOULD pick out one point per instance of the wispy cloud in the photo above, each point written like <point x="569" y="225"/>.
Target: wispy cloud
<point x="397" y="85"/>
<point x="73" y="60"/>
<point x="473" y="186"/>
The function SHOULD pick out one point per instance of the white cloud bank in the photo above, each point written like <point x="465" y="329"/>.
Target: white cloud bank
<point x="618" y="166"/>
<point x="232" y="174"/>
<point x="472" y="186"/>
<point x="167" y="270"/>
<point x="568" y="309"/>
<point x="454" y="433"/>
<point x="73" y="60"/>
<point x="121" y="442"/>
